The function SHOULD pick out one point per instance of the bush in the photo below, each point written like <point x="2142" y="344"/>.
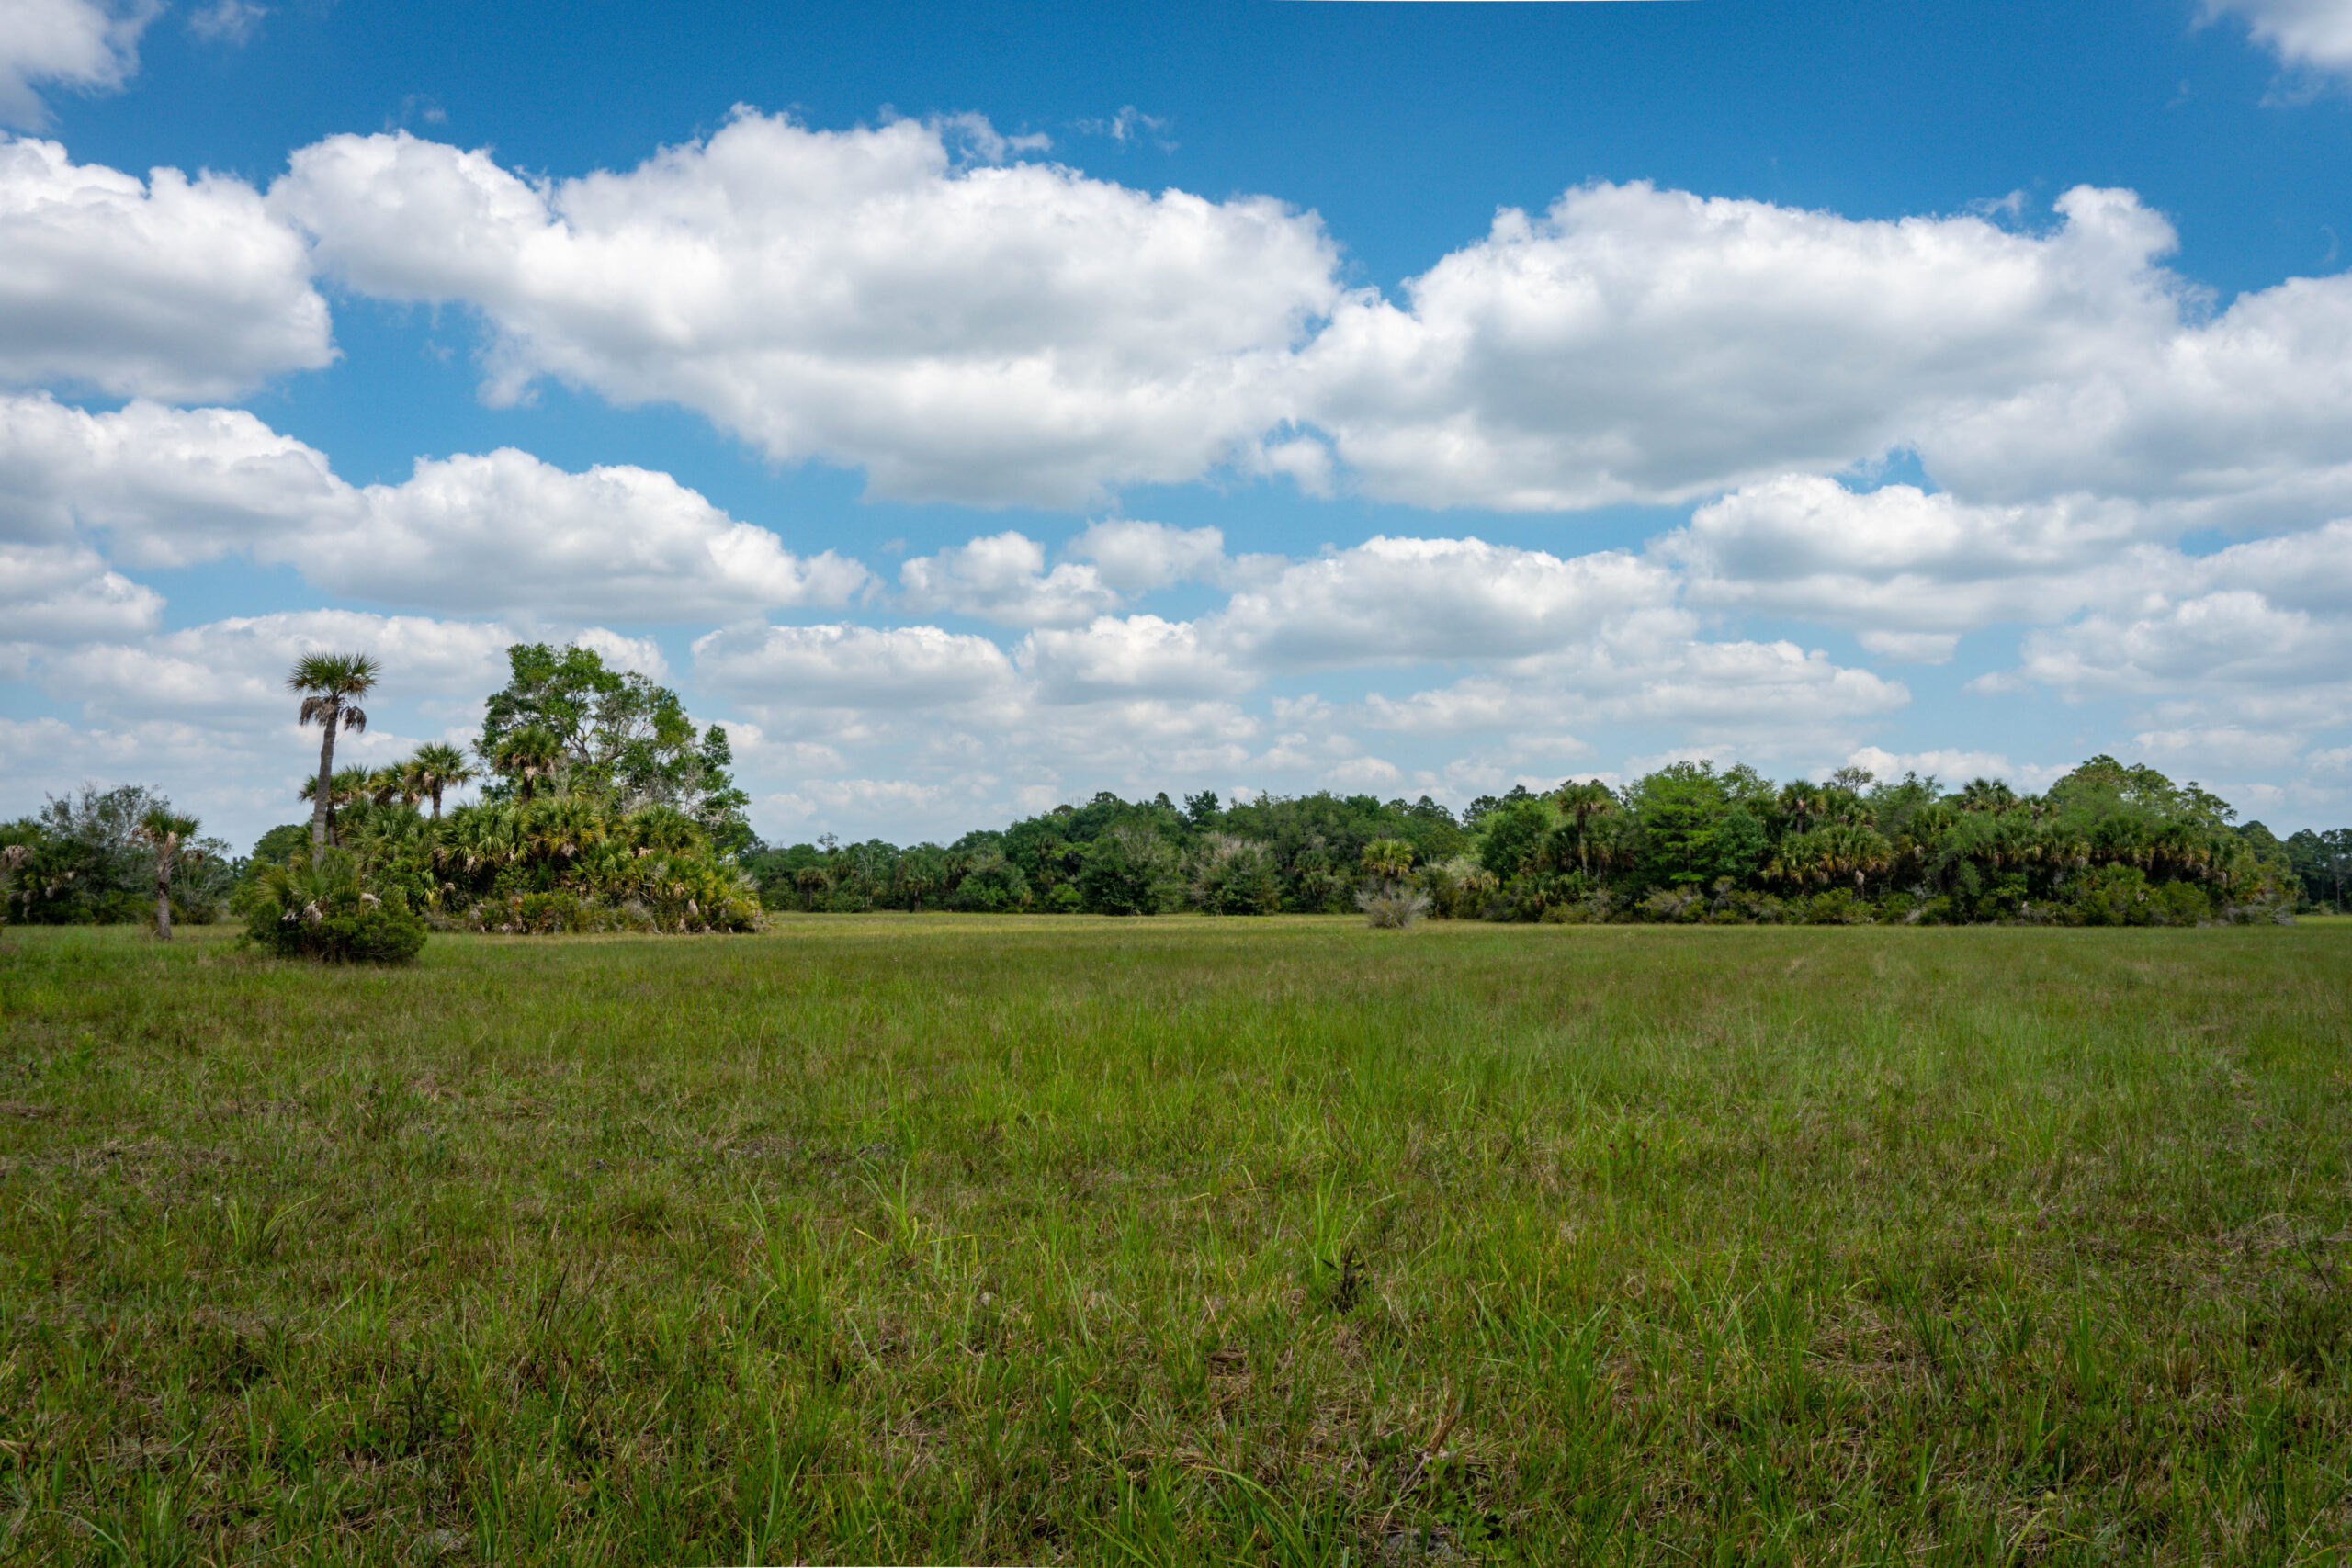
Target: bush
<point x="1392" y="908"/>
<point x="1235" y="876"/>
<point x="327" y="913"/>
<point x="1129" y="870"/>
<point x="1838" y="906"/>
<point x="992" y="885"/>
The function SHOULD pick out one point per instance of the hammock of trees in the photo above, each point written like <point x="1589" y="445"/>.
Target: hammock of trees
<point x="602" y="807"/>
<point x="2107" y="844"/>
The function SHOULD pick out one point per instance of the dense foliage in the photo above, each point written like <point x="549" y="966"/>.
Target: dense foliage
<point x="327" y="912"/>
<point x="603" y="810"/>
<point x="561" y="862"/>
<point x="1301" y="855"/>
<point x="2108" y="844"/>
<point x="566" y="723"/>
<point x="83" y="860"/>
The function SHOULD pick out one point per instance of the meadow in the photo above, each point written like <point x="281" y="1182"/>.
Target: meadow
<point x="963" y="1239"/>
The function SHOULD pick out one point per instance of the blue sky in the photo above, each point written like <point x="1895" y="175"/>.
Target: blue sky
<point x="976" y="407"/>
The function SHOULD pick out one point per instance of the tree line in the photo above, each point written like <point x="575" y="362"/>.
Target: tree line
<point x="2106" y="844"/>
<point x="602" y="807"/>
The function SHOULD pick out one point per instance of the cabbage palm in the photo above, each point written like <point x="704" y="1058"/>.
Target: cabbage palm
<point x="439" y="767"/>
<point x="1803" y="804"/>
<point x="330" y="685"/>
<point x="528" y="754"/>
<point x="168" y="836"/>
<point x="1583" y="802"/>
<point x="1986" y="795"/>
<point x="347" y="785"/>
<point x="396" y="782"/>
<point x="1843" y="850"/>
<point x="1388" y="858"/>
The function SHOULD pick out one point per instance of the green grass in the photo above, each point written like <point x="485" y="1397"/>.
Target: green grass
<point x="947" y="1239"/>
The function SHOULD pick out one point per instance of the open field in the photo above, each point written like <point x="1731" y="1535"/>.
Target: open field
<point x="950" y="1239"/>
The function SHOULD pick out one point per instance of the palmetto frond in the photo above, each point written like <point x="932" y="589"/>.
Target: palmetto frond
<point x="333" y="677"/>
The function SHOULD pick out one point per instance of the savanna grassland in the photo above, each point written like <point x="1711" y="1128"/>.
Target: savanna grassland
<point x="954" y="1239"/>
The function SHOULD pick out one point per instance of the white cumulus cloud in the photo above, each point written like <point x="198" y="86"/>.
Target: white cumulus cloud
<point x="1002" y="578"/>
<point x="844" y="666"/>
<point x="500" y="531"/>
<point x="991" y="332"/>
<point x="1633" y="344"/>
<point x="169" y="287"/>
<point x="1137" y="557"/>
<point x="80" y="45"/>
<point x="2315" y="33"/>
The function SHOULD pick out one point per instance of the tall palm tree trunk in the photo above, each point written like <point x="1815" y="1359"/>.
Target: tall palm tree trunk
<point x="163" y="893"/>
<point x="318" y="803"/>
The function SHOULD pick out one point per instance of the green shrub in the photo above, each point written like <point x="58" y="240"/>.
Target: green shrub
<point x="993" y="883"/>
<point x="1129" y="870"/>
<point x="1234" y="876"/>
<point x="327" y="913"/>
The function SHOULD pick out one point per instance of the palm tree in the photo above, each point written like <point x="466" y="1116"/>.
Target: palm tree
<point x="329" y="684"/>
<point x="396" y="782"/>
<point x="1388" y="858"/>
<point x="439" y="767"/>
<point x="1843" y="850"/>
<point x="530" y="754"/>
<point x="344" y="786"/>
<point x="1986" y="795"/>
<point x="168" y="835"/>
<point x="1802" y="803"/>
<point x="1583" y="802"/>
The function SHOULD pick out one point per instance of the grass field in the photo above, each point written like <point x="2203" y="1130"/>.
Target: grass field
<point x="958" y="1240"/>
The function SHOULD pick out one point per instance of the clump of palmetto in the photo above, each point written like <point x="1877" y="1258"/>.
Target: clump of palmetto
<point x="327" y="910"/>
<point x="1388" y="902"/>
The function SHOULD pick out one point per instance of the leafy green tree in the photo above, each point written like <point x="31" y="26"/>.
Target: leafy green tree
<point x="989" y="885"/>
<point x="330" y="685"/>
<point x="617" y="735"/>
<point x="1512" y="832"/>
<point x="2322" y="863"/>
<point x="85" y="859"/>
<point x="1233" y="876"/>
<point x="1679" y="808"/>
<point x="1128" y="871"/>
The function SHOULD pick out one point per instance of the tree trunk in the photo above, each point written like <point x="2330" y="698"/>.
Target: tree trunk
<point x="163" y="888"/>
<point x="326" y="782"/>
<point x="437" y="802"/>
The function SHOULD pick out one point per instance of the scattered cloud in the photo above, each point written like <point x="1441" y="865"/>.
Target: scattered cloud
<point x="503" y="530"/>
<point x="170" y="287"/>
<point x="81" y="46"/>
<point x="1137" y="557"/>
<point x="776" y="668"/>
<point x="978" y="331"/>
<point x="1003" y="579"/>
<point x="226" y="21"/>
<point x="2316" y="34"/>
